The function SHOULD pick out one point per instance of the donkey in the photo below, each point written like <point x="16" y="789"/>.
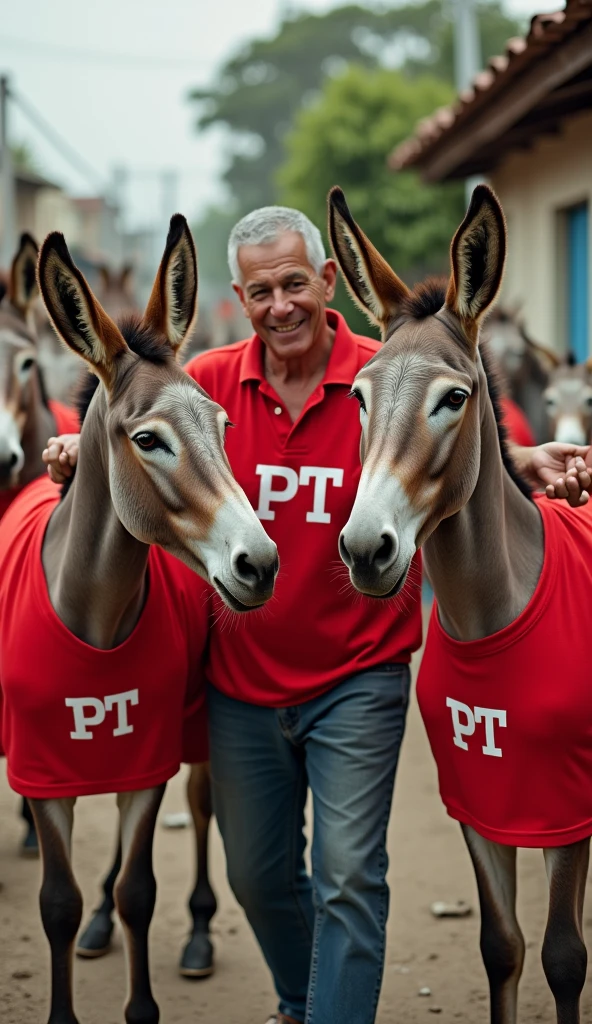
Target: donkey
<point x="568" y="402"/>
<point x="27" y="416"/>
<point x="152" y="471"/>
<point x="524" y="365"/>
<point x="510" y="574"/>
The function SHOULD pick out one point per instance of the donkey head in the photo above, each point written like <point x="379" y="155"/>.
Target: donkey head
<point x="161" y="437"/>
<point x="568" y="402"/>
<point x="421" y="396"/>
<point x="18" y="359"/>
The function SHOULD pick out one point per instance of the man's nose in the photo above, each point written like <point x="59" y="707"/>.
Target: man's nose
<point x="282" y="305"/>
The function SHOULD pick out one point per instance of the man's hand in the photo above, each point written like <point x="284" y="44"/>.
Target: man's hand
<point x="563" y="470"/>
<point x="61" y="456"/>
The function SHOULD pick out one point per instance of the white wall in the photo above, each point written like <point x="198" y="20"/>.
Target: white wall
<point x="534" y="186"/>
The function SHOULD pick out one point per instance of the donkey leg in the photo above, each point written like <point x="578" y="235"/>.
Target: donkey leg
<point x="95" y="940"/>
<point x="502" y="942"/>
<point x="564" y="953"/>
<point x="30" y="843"/>
<point x="135" y="896"/>
<point x="60" y="900"/>
<point x="197" y="959"/>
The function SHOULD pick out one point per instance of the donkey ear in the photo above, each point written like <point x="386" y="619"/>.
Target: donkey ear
<point x="369" y="279"/>
<point x="477" y="254"/>
<point x="547" y="359"/>
<point x="23" y="289"/>
<point x="75" y="313"/>
<point x="172" y="306"/>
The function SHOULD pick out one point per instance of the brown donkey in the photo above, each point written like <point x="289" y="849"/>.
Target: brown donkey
<point x="513" y="582"/>
<point x="152" y="471"/>
<point x="27" y="417"/>
<point x="568" y="402"/>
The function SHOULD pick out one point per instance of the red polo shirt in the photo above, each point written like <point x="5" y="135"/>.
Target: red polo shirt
<point x="301" y="479"/>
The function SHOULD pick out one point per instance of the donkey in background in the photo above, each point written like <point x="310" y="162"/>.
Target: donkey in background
<point x="524" y="365"/>
<point x="436" y="475"/>
<point x="27" y="415"/>
<point x="197" y="957"/>
<point x="568" y="401"/>
<point x="150" y="433"/>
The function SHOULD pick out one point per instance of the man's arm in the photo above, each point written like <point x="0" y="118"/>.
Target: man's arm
<point x="562" y="470"/>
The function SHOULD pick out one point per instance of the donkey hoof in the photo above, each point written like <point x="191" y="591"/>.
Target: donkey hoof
<point x="197" y="960"/>
<point x="30" y="844"/>
<point x="95" y="940"/>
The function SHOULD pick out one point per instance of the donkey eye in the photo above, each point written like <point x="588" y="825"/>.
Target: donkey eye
<point x="27" y="364"/>
<point x="149" y="442"/>
<point x="454" y="400"/>
<point x="356" y="393"/>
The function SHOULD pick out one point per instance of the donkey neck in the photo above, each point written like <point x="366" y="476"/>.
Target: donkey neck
<point x="484" y="562"/>
<point x="39" y="424"/>
<point x="96" y="571"/>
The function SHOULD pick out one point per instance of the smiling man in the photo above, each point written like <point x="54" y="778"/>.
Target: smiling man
<point x="314" y="693"/>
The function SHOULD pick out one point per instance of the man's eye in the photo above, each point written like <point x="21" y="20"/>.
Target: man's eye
<point x="149" y="442"/>
<point x="454" y="400"/>
<point x="356" y="393"/>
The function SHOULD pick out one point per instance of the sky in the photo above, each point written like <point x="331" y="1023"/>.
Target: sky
<point x="111" y="80"/>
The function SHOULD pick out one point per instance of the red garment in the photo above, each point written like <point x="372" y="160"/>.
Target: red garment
<point x="301" y="479"/>
<point x="509" y="717"/>
<point x="78" y="720"/>
<point x="66" y="422"/>
<point x="516" y="423"/>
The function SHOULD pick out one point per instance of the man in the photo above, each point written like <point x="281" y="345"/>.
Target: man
<point x="313" y="693"/>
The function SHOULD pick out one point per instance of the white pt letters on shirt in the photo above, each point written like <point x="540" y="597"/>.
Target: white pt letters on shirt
<point x="464" y="720"/>
<point x="289" y="481"/>
<point x="91" y="711"/>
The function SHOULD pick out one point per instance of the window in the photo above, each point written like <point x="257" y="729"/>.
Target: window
<point x="576" y="297"/>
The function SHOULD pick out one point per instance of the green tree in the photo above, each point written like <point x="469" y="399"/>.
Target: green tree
<point x="258" y="91"/>
<point x="343" y="139"/>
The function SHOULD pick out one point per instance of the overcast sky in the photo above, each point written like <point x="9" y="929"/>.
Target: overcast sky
<point x="133" y="113"/>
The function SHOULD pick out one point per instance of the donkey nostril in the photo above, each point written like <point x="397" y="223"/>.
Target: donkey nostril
<point x="13" y="460"/>
<point x="344" y="553"/>
<point x="385" y="551"/>
<point x="245" y="569"/>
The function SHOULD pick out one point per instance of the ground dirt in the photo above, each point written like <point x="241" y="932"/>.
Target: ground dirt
<point x="428" y="862"/>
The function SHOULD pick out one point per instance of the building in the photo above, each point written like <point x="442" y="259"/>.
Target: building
<point x="526" y="127"/>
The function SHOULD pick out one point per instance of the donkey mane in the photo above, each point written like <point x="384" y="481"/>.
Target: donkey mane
<point x="144" y="341"/>
<point x="426" y="299"/>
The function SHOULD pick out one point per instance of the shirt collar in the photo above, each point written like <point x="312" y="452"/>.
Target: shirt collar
<point x="343" y="361"/>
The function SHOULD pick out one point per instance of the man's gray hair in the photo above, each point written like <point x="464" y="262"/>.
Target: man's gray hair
<point x="266" y="225"/>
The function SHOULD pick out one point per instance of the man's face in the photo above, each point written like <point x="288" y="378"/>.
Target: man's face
<point x="283" y="296"/>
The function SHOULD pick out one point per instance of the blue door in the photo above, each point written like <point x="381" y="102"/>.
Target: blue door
<point x="577" y="281"/>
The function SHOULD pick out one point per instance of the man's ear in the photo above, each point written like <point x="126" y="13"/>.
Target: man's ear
<point x="239" y="292"/>
<point x="477" y="255"/>
<point x="329" y="275"/>
<point x="369" y="279"/>
<point x="23" y="288"/>
<point x="172" y="306"/>
<point x="77" y="316"/>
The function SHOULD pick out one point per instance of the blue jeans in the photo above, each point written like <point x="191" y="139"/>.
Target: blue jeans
<point x="323" y="938"/>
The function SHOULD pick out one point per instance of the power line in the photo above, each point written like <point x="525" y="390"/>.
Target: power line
<point x="57" y="141"/>
<point x="123" y="60"/>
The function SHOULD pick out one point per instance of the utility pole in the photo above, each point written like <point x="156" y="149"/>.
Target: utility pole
<point x="467" y="55"/>
<point x="7" y="189"/>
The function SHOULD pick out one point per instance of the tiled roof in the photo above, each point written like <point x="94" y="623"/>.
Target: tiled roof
<point x="546" y="32"/>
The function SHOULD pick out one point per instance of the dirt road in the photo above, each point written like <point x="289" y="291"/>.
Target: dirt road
<point x="428" y="862"/>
